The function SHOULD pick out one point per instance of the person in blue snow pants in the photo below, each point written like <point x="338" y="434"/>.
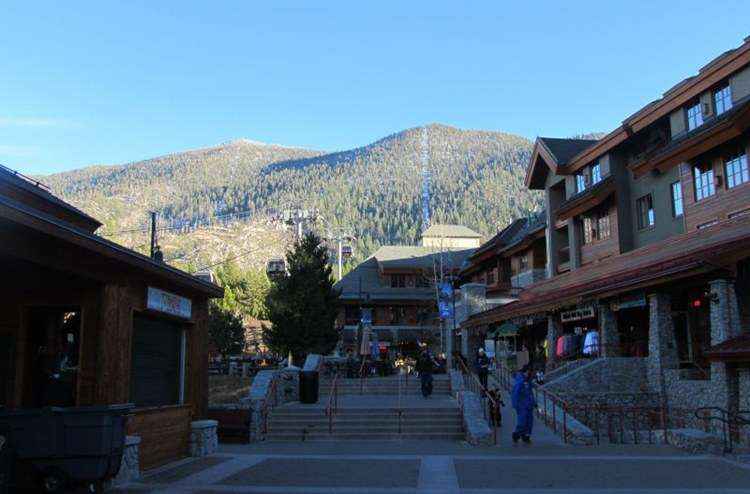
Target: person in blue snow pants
<point x="524" y="403"/>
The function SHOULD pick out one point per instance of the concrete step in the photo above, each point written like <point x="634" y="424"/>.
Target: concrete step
<point x="410" y="422"/>
<point x="381" y="436"/>
<point x="373" y="414"/>
<point x="376" y="428"/>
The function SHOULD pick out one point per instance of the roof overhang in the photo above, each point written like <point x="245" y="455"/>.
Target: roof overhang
<point x="708" y="250"/>
<point x="587" y="199"/>
<point x="542" y="162"/>
<point x="693" y="146"/>
<point x="49" y="225"/>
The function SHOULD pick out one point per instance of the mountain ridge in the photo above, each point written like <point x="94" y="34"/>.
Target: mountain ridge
<point x="372" y="190"/>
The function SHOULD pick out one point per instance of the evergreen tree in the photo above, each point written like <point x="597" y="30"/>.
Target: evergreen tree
<point x="225" y="331"/>
<point x="303" y="305"/>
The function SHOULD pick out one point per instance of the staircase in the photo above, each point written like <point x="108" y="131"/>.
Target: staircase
<point x="374" y="411"/>
<point x="375" y="424"/>
<point x="385" y="386"/>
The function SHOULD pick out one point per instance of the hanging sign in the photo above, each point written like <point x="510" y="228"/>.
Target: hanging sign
<point x="577" y="314"/>
<point x="169" y="303"/>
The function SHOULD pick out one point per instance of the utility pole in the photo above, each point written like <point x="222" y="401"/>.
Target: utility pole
<point x="153" y="234"/>
<point x="340" y="260"/>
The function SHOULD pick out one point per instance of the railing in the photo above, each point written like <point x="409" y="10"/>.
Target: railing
<point x="270" y="402"/>
<point x="731" y="423"/>
<point x="473" y="384"/>
<point x="399" y="408"/>
<point x="333" y="402"/>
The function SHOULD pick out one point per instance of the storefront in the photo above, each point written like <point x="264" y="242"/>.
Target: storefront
<point x="85" y="321"/>
<point x="580" y="333"/>
<point x="632" y="319"/>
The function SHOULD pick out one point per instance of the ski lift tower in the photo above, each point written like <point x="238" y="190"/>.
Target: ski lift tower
<point x="426" y="178"/>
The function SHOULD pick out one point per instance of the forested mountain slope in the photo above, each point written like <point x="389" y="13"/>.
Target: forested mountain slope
<point x="477" y="180"/>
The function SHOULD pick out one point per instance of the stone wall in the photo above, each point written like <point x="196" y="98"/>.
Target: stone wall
<point x="604" y="375"/>
<point x="477" y="429"/>
<point x="270" y="388"/>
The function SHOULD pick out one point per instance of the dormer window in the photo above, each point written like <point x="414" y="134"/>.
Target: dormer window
<point x="723" y="99"/>
<point x="695" y="116"/>
<point x="596" y="173"/>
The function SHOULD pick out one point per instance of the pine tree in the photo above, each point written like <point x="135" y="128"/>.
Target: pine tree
<point x="303" y="305"/>
<point x="225" y="331"/>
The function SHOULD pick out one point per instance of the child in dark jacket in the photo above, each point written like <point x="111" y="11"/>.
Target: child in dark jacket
<point x="496" y="403"/>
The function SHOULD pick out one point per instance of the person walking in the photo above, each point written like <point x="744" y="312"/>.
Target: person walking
<point x="482" y="366"/>
<point x="425" y="367"/>
<point x="524" y="402"/>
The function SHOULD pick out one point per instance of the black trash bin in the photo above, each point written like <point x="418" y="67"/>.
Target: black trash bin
<point x="66" y="446"/>
<point x="308" y="386"/>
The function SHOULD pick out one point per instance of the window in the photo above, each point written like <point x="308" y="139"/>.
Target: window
<point x="580" y="182"/>
<point x="398" y="281"/>
<point x="677" y="209"/>
<point x="596" y="226"/>
<point x="645" y="208"/>
<point x="398" y="315"/>
<point x="704" y="182"/>
<point x="491" y="277"/>
<point x="602" y="229"/>
<point x="596" y="173"/>
<point x="695" y="116"/>
<point x="523" y="263"/>
<point x="351" y="314"/>
<point x="723" y="99"/>
<point x="588" y="230"/>
<point x="737" y="171"/>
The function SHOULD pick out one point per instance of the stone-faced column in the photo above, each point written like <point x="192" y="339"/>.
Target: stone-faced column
<point x="662" y="346"/>
<point x="554" y="331"/>
<point x="725" y="325"/>
<point x="609" y="334"/>
<point x="725" y="314"/>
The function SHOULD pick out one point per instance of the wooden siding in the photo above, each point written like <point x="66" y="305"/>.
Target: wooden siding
<point x="720" y="205"/>
<point x="164" y="433"/>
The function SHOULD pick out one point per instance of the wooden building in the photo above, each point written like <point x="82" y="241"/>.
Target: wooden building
<point x="85" y="321"/>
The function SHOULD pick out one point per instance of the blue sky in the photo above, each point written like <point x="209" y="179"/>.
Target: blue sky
<point x="90" y="83"/>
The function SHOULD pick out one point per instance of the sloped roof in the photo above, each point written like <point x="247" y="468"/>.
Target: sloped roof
<point x="450" y="231"/>
<point x="564" y="149"/>
<point x="365" y="277"/>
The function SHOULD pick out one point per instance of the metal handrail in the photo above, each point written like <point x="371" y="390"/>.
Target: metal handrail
<point x="399" y="409"/>
<point x="266" y="404"/>
<point x="333" y="402"/>
<point x="731" y="421"/>
<point x="483" y="394"/>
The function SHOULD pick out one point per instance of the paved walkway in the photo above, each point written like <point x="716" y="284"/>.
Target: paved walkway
<point x="418" y="468"/>
<point x="445" y="467"/>
<point x="380" y="401"/>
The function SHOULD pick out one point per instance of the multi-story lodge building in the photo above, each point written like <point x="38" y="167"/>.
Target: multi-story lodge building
<point x="646" y="243"/>
<point x="395" y="290"/>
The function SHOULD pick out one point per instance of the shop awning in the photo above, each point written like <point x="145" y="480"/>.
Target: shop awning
<point x="503" y="331"/>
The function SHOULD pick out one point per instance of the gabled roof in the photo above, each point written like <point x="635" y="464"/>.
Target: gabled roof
<point x="450" y="231"/>
<point x="364" y="279"/>
<point x="551" y="153"/>
<point x="564" y="149"/>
